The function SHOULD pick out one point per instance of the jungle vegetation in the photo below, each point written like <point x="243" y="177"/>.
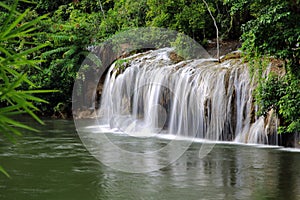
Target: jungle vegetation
<point x="43" y="43"/>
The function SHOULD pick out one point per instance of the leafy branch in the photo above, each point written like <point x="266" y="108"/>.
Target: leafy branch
<point x="14" y="100"/>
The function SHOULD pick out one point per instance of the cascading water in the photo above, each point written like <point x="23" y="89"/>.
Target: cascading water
<point x="194" y="98"/>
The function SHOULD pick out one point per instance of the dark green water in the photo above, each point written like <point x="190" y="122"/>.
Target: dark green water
<point x="55" y="165"/>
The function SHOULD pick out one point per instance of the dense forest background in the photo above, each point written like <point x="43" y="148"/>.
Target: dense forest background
<point x="43" y="43"/>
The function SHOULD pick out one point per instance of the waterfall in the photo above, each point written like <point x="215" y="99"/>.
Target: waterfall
<point x="194" y="98"/>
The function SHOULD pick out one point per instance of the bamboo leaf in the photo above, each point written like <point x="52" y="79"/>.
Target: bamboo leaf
<point x="34" y="116"/>
<point x="17" y="124"/>
<point x="3" y="5"/>
<point x="12" y="12"/>
<point x="31" y="50"/>
<point x="17" y="83"/>
<point x="28" y="27"/>
<point x="5" y="51"/>
<point x="14" y="113"/>
<point x="17" y="33"/>
<point x="9" y="109"/>
<point x="8" y="132"/>
<point x="14" y="24"/>
<point x="30" y="2"/>
<point x="30" y="97"/>
<point x="39" y="91"/>
<point x="4" y="172"/>
<point x="17" y="74"/>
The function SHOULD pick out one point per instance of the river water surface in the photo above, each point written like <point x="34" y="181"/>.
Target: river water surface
<point x="54" y="164"/>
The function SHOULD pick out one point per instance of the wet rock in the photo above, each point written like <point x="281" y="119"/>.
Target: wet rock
<point x="231" y="55"/>
<point x="175" y="58"/>
<point x="84" y="114"/>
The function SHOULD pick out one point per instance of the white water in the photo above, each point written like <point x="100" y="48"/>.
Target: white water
<point x="196" y="98"/>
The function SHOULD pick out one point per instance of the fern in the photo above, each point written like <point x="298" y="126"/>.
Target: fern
<point x="70" y="52"/>
<point x="54" y="51"/>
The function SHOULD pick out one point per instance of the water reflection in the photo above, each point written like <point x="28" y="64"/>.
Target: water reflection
<point x="55" y="165"/>
<point x="228" y="172"/>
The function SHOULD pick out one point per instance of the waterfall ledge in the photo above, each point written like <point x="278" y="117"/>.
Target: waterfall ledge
<point x="153" y="93"/>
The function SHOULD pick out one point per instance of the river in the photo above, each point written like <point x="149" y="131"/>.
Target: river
<point x="53" y="164"/>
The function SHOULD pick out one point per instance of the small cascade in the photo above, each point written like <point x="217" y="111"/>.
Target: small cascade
<point x="196" y="98"/>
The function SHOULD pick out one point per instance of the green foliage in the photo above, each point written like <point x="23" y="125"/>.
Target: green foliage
<point x="187" y="48"/>
<point x="120" y="65"/>
<point x="86" y="6"/>
<point x="189" y="17"/>
<point x="46" y="6"/>
<point x="139" y="39"/>
<point x="162" y="13"/>
<point x="70" y="31"/>
<point x="283" y="95"/>
<point x="15" y="58"/>
<point x="269" y="92"/>
<point x="192" y="26"/>
<point x="124" y="14"/>
<point x="273" y="29"/>
<point x="12" y="62"/>
<point x="289" y="104"/>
